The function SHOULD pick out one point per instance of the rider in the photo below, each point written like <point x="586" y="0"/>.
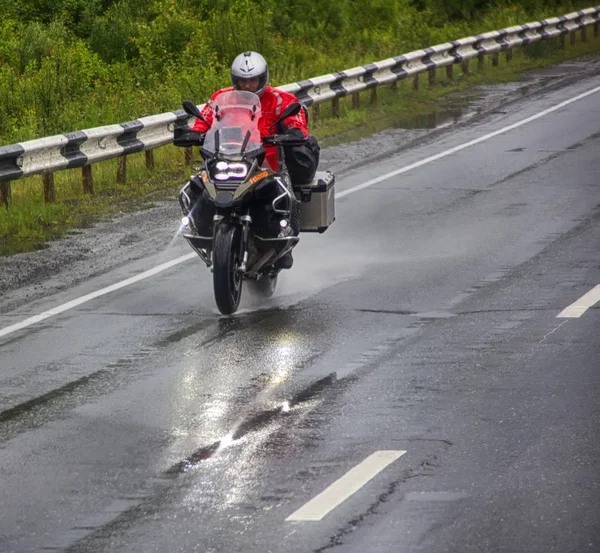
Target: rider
<point x="249" y="72"/>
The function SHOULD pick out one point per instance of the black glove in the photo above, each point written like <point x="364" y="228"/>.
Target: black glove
<point x="186" y="137"/>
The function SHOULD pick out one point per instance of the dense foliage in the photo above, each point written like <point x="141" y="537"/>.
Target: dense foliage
<point x="74" y="64"/>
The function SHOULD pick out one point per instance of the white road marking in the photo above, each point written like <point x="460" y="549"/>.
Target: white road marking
<point x="83" y="299"/>
<point x="65" y="307"/>
<point x="578" y="308"/>
<point x="343" y="488"/>
<point x="465" y="145"/>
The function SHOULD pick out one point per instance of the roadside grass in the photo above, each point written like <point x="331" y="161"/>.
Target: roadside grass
<point x="29" y="223"/>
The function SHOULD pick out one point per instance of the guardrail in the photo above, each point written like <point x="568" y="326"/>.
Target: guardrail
<point x="81" y="149"/>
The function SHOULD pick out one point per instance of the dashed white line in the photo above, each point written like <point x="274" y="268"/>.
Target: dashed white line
<point x="578" y="308"/>
<point x="344" y="487"/>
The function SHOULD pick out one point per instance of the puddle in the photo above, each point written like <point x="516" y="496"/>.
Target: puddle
<point x="448" y="111"/>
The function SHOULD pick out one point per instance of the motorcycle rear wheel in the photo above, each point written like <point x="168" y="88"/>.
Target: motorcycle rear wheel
<point x="227" y="281"/>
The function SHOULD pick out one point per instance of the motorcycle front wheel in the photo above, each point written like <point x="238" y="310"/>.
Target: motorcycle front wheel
<point x="227" y="281"/>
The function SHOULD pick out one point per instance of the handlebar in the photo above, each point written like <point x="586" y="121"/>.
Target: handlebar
<point x="186" y="137"/>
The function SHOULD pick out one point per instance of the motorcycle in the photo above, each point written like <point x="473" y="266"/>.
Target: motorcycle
<point x="242" y="216"/>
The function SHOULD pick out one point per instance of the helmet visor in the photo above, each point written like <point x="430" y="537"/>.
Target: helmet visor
<point x="249" y="84"/>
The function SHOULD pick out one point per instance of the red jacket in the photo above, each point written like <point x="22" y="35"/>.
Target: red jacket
<point x="272" y="103"/>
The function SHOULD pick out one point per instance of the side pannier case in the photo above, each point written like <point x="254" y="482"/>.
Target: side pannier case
<point x="317" y="210"/>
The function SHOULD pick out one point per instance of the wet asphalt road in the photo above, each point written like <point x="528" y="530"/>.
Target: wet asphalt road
<point x="425" y="321"/>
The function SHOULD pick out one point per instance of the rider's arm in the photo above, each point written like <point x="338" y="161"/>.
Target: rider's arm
<point x="296" y="122"/>
<point x="207" y="113"/>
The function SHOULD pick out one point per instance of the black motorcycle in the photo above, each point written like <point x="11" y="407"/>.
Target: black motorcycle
<point x="244" y="217"/>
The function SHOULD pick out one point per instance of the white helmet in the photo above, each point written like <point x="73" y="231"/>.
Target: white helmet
<point x="247" y="66"/>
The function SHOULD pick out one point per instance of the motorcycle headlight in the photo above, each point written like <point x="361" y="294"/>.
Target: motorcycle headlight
<point x="225" y="171"/>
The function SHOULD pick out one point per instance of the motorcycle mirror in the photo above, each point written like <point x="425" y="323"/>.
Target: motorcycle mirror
<point x="191" y="109"/>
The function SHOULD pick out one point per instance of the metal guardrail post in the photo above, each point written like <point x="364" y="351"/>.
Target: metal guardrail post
<point x="373" y="99"/>
<point x="188" y="157"/>
<point x="150" y="159"/>
<point x="562" y="41"/>
<point x="316" y="113"/>
<point x="450" y="72"/>
<point x="495" y="59"/>
<point x="49" y="190"/>
<point x="122" y="170"/>
<point x="416" y="82"/>
<point x="431" y="76"/>
<point x="465" y="67"/>
<point x="509" y="55"/>
<point x="88" y="180"/>
<point x="355" y="100"/>
<point x="573" y="38"/>
<point x="480" y="61"/>
<point x="335" y="107"/>
<point x="596" y="28"/>
<point x="5" y="193"/>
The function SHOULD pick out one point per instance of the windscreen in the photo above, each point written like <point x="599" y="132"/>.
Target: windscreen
<point x="234" y="132"/>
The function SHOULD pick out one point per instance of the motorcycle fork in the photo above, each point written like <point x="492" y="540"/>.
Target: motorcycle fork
<point x="216" y="221"/>
<point x="246" y="221"/>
